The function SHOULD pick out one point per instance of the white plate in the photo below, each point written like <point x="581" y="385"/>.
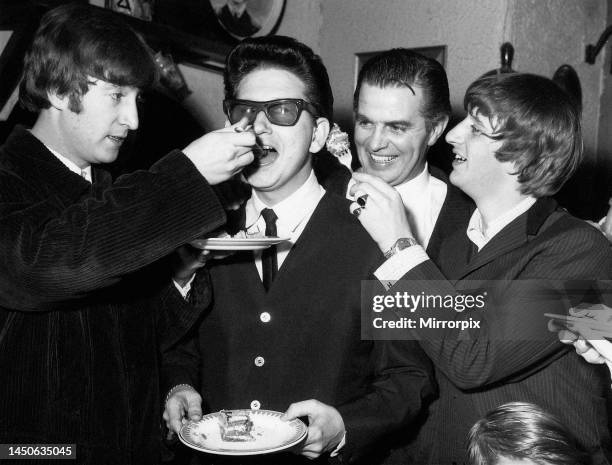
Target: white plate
<point x="271" y="434"/>
<point x="232" y="243"/>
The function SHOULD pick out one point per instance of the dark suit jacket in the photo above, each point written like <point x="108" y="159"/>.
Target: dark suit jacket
<point x="79" y="324"/>
<point x="312" y="347"/>
<point x="544" y="261"/>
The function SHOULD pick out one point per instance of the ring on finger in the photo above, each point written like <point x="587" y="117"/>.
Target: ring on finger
<point x="357" y="212"/>
<point x="361" y="200"/>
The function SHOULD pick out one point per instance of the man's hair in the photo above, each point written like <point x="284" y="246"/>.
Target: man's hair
<point x="537" y="123"/>
<point x="522" y="431"/>
<point x="400" y="67"/>
<point x="75" y="42"/>
<point x="284" y="53"/>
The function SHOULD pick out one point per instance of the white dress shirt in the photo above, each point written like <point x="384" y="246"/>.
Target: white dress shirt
<point x="480" y="234"/>
<point x="423" y="198"/>
<point x="292" y="214"/>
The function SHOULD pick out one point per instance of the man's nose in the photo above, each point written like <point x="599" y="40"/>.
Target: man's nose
<point x="454" y="135"/>
<point x="128" y="115"/>
<point x="378" y="139"/>
<point x="261" y="123"/>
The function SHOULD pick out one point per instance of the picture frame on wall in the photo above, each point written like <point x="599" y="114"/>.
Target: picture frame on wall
<point x="248" y="18"/>
<point x="198" y="32"/>
<point x="141" y="9"/>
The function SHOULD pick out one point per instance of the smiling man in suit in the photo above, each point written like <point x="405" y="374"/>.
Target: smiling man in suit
<point x="519" y="143"/>
<point x="401" y="108"/>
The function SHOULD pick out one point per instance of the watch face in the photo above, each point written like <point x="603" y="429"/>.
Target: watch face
<point x="404" y="243"/>
<point x="401" y="244"/>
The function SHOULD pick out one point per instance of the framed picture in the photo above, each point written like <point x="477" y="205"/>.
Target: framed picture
<point x="248" y="18"/>
<point x="141" y="9"/>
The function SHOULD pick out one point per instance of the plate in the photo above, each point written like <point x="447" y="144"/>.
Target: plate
<point x="237" y="243"/>
<point x="271" y="434"/>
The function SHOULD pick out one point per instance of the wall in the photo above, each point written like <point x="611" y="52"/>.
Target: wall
<point x="604" y="136"/>
<point x="570" y="26"/>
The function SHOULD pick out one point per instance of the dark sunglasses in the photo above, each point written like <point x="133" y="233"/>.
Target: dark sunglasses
<point x="282" y="112"/>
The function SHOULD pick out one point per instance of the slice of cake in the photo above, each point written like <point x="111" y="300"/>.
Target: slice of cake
<point x="235" y="426"/>
<point x="338" y="145"/>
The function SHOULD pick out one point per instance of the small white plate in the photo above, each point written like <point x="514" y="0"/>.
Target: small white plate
<point x="270" y="432"/>
<point x="233" y="243"/>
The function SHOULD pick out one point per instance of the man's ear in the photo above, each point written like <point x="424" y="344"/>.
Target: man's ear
<point x="59" y="102"/>
<point x="319" y="135"/>
<point x="437" y="131"/>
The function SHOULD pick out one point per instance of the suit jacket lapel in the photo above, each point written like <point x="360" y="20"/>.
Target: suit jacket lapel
<point x="513" y="235"/>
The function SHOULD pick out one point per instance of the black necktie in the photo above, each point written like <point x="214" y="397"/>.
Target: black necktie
<point x="269" y="264"/>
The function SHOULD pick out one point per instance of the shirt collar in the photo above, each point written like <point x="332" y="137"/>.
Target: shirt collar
<point x="237" y="11"/>
<point x="72" y="166"/>
<point x="290" y="211"/>
<point x="416" y="187"/>
<point x="480" y="235"/>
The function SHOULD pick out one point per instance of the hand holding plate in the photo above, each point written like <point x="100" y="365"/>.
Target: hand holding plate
<point x="183" y="403"/>
<point x="325" y="428"/>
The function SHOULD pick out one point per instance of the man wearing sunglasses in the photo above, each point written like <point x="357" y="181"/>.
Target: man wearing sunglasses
<point x="284" y="331"/>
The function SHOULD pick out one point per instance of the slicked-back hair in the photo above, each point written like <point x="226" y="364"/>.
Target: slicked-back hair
<point x="282" y="53"/>
<point x="400" y="67"/>
<point x="523" y="431"/>
<point x="75" y="42"/>
<point x="537" y="123"/>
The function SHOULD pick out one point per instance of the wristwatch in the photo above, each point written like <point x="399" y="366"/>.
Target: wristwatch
<point x="401" y="244"/>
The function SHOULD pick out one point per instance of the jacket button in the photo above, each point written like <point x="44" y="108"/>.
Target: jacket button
<point x="265" y="317"/>
<point x="259" y="361"/>
<point x="255" y="405"/>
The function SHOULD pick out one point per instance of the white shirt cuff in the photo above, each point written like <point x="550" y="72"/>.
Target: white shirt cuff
<point x="186" y="288"/>
<point x="399" y="264"/>
<point x="340" y="445"/>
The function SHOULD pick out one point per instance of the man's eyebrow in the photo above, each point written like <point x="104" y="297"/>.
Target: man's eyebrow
<point x="399" y="122"/>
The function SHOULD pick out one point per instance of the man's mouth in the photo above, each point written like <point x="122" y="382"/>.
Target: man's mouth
<point x="264" y="154"/>
<point x="382" y="159"/>
<point x="117" y="139"/>
<point x="459" y="159"/>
